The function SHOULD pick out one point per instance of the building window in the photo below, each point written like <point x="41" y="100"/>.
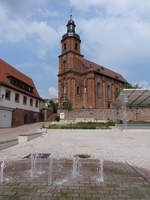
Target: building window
<point x="108" y="106"/>
<point x="64" y="87"/>
<point x="64" y="65"/>
<point x="116" y="92"/>
<point x="31" y="102"/>
<point x="108" y="92"/>
<point x="85" y="86"/>
<point x="7" y="95"/>
<point x="76" y="46"/>
<point x="20" y="84"/>
<point x="98" y="90"/>
<point x="78" y="90"/>
<point x="24" y="100"/>
<point x="65" y="46"/>
<point x="17" y="98"/>
<point x="36" y="103"/>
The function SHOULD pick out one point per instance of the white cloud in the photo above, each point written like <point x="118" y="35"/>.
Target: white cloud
<point x="46" y="13"/>
<point x="114" y="6"/>
<point x="39" y="33"/>
<point x="53" y="92"/>
<point x="85" y="4"/>
<point x="119" y="35"/>
<point x="22" y="9"/>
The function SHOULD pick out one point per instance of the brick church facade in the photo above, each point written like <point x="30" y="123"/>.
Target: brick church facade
<point x="85" y="84"/>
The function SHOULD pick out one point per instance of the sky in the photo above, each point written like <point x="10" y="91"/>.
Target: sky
<point x="114" y="33"/>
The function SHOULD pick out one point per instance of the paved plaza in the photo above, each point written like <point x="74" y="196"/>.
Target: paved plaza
<point x="126" y="166"/>
<point x="132" y="146"/>
<point x="13" y="133"/>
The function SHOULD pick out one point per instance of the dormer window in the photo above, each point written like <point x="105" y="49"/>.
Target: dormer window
<point x="20" y="84"/>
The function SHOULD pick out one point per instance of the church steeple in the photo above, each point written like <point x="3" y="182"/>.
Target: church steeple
<point x="71" y="29"/>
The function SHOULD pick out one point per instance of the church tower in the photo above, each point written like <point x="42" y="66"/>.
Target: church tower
<point x="84" y="83"/>
<point x="69" y="63"/>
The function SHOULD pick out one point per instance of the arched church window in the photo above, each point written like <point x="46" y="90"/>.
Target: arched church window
<point x="65" y="46"/>
<point x="64" y="64"/>
<point x="64" y="87"/>
<point x="98" y="89"/>
<point x="116" y="92"/>
<point x="108" y="106"/>
<point x="76" y="46"/>
<point x="108" y="92"/>
<point x="85" y="86"/>
<point x="78" y="90"/>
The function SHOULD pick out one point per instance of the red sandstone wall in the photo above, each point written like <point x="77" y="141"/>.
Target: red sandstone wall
<point x="107" y="114"/>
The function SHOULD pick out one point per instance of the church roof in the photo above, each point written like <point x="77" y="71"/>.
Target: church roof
<point x="103" y="70"/>
<point x="7" y="71"/>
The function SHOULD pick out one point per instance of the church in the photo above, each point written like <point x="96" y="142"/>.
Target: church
<point x="85" y="84"/>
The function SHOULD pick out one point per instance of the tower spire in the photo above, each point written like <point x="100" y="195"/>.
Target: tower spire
<point x="71" y="32"/>
<point x="71" y="12"/>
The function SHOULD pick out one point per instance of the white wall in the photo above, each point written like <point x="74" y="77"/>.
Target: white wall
<point x="12" y="104"/>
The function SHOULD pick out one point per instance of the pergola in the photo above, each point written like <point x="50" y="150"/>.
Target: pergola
<point x="132" y="98"/>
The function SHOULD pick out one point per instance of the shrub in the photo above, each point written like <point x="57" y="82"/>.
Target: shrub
<point x="82" y="125"/>
<point x="68" y="105"/>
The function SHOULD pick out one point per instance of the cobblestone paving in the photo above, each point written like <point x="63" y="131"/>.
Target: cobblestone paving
<point x="121" y="181"/>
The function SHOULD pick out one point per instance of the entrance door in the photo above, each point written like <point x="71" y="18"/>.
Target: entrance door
<point x="25" y="119"/>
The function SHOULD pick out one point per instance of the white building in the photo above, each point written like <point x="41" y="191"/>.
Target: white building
<point x="19" y="99"/>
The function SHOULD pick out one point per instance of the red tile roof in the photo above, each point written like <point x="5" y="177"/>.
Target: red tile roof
<point x="103" y="70"/>
<point x="7" y="70"/>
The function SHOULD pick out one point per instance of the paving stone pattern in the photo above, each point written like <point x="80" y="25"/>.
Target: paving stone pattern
<point x="121" y="181"/>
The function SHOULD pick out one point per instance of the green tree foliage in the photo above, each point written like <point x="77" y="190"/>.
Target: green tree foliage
<point x="130" y="86"/>
<point x="68" y="105"/>
<point x="116" y="93"/>
<point x="53" y="105"/>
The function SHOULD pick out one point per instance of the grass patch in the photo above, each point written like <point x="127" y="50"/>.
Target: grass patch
<point x="83" y="125"/>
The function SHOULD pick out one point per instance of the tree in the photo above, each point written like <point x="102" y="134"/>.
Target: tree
<point x="130" y="86"/>
<point x="53" y="105"/>
<point x="116" y="93"/>
<point x="68" y="105"/>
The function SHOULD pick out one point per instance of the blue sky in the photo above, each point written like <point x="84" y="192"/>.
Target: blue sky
<point x="114" y="33"/>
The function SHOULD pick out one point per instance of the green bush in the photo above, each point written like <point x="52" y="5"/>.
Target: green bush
<point x="83" y="125"/>
<point x="68" y="105"/>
